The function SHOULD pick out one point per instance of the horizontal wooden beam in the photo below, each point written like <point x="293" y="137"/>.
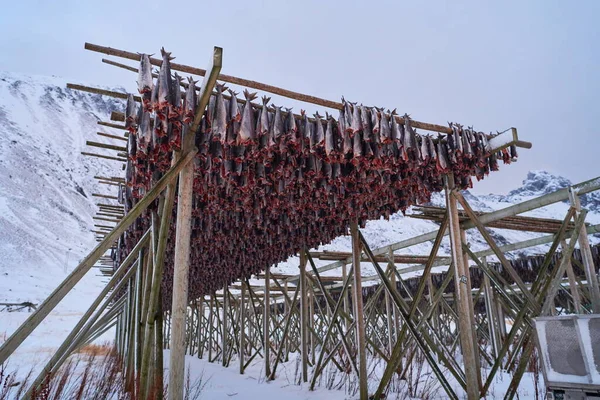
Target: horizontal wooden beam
<point x="105" y="146"/>
<point x="103" y="156"/>
<point x="108" y="135"/>
<point x="110" y="125"/>
<point x="105" y="196"/>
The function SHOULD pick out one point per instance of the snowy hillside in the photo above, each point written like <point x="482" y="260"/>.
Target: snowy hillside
<point x="46" y="206"/>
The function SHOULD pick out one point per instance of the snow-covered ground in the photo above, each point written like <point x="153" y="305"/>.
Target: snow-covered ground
<point x="46" y="223"/>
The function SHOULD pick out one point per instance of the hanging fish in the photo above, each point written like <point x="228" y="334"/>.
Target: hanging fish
<point x="365" y="117"/>
<point x="291" y="128"/>
<point x="385" y="133"/>
<point x="356" y="121"/>
<point x="277" y="127"/>
<point x="189" y="105"/>
<point x="493" y="160"/>
<point x="319" y="133"/>
<point x="442" y="161"/>
<point x="357" y="147"/>
<point x="466" y="142"/>
<point x="164" y="87"/>
<point x="330" y="145"/>
<point x="219" y="123"/>
<point x="175" y="104"/>
<point x="131" y="146"/>
<point x="375" y="121"/>
<point x="154" y="96"/>
<point x="144" y="133"/>
<point x="458" y="141"/>
<point x="144" y="81"/>
<point x="451" y="139"/>
<point x="161" y="126"/>
<point x="348" y="115"/>
<point x="342" y="120"/>
<point x="411" y="137"/>
<point x="396" y="131"/>
<point x="234" y="118"/>
<point x="308" y="129"/>
<point x="513" y="152"/>
<point x="130" y="114"/>
<point x="247" y="134"/>
<point x="425" y="155"/>
<point x="432" y="149"/>
<point x="263" y="121"/>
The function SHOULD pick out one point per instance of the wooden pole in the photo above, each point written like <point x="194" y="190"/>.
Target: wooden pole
<point x="266" y="320"/>
<point x="572" y="282"/>
<point x="84" y="153"/>
<point x="183" y="239"/>
<point x="303" y="316"/>
<point x="361" y="342"/>
<point x="463" y="293"/>
<point x="225" y="323"/>
<point x="158" y="348"/>
<point x="242" y="331"/>
<point x="112" y="136"/>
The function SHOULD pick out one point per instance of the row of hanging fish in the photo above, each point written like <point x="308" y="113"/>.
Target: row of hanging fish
<point x="269" y="181"/>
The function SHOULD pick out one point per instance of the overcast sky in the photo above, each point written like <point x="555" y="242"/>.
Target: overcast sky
<point x="534" y="65"/>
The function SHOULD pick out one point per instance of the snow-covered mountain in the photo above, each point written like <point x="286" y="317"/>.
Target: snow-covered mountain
<point x="46" y="206"/>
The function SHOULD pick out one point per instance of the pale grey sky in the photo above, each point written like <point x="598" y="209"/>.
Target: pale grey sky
<point x="530" y="64"/>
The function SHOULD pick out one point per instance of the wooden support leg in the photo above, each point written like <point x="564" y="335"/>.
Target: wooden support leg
<point x="303" y="316"/>
<point x="463" y="294"/>
<point x="492" y="314"/>
<point x="225" y="345"/>
<point x="242" y="331"/>
<point x="266" y="321"/>
<point x="573" y="289"/>
<point x="361" y="341"/>
<point x="158" y="348"/>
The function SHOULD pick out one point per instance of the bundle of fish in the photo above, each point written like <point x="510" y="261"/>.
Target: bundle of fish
<point x="269" y="182"/>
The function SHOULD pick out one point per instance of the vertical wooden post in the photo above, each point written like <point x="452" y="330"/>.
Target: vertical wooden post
<point x="345" y="304"/>
<point x="266" y="320"/>
<point x="388" y="313"/>
<point x="139" y="277"/>
<point x="211" y="322"/>
<point x="492" y="313"/>
<point x="311" y="322"/>
<point x="463" y="295"/>
<point x="572" y="281"/>
<point x="361" y="342"/>
<point x="303" y="316"/>
<point x="394" y="284"/>
<point x="242" y="327"/>
<point x="183" y="237"/>
<point x="287" y="308"/>
<point x="225" y="326"/>
<point x="587" y="257"/>
<point x="158" y="348"/>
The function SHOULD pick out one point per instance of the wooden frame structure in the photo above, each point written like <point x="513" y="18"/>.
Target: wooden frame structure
<point x="330" y="321"/>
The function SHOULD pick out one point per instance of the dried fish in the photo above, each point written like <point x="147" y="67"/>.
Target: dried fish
<point x="219" y="124"/>
<point x="247" y="134"/>
<point x="144" y="81"/>
<point x="189" y="106"/>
